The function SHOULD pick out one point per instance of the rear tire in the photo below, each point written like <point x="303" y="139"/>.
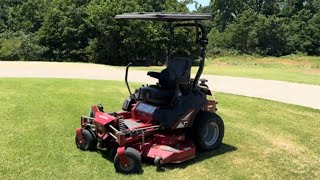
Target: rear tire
<point x="134" y="165"/>
<point x="89" y="141"/>
<point x="209" y="130"/>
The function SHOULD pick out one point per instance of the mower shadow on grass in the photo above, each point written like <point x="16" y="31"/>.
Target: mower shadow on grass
<point x="200" y="156"/>
<point x="107" y="154"/>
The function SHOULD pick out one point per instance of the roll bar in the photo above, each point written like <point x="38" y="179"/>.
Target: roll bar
<point x="201" y="40"/>
<point x="132" y="96"/>
<point x="201" y="37"/>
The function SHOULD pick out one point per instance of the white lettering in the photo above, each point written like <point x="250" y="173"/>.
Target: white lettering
<point x="103" y="117"/>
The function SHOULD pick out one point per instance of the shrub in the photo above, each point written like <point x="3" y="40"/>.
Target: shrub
<point x="20" y="46"/>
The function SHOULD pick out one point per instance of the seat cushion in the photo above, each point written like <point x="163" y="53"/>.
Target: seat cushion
<point x="157" y="95"/>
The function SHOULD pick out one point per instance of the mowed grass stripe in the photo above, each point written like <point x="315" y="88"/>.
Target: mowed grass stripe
<point x="263" y="139"/>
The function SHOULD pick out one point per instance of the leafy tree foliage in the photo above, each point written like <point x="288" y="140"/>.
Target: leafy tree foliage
<point x="119" y="42"/>
<point x="27" y="17"/>
<point x="64" y="30"/>
<point x="85" y="30"/>
<point x="19" y="45"/>
<point x="266" y="27"/>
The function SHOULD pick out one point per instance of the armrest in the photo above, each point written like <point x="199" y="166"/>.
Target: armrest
<point x="153" y="74"/>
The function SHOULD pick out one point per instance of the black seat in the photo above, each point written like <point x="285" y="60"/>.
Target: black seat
<point x="157" y="95"/>
<point x="177" y="73"/>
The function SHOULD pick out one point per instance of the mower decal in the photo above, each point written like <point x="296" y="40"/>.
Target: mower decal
<point x="185" y="120"/>
<point x="100" y="116"/>
<point x="103" y="118"/>
<point x="168" y="148"/>
<point x="187" y="116"/>
<point x="180" y="125"/>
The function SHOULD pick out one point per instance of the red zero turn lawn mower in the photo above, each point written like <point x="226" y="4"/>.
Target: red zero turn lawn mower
<point x="165" y="122"/>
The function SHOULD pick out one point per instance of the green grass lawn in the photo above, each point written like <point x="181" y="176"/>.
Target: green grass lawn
<point x="301" y="69"/>
<point x="263" y="139"/>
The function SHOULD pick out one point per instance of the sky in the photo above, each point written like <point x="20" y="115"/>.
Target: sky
<point x="202" y="2"/>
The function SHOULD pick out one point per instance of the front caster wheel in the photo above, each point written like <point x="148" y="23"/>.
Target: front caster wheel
<point x="89" y="142"/>
<point x="134" y="162"/>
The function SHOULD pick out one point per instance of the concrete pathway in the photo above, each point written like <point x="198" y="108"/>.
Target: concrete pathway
<point x="293" y="93"/>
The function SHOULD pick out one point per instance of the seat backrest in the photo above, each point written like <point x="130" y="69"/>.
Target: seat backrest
<point x="177" y="68"/>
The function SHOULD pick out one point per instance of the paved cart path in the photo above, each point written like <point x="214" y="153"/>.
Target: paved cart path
<point x="293" y="93"/>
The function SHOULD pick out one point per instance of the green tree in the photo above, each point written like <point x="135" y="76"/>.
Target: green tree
<point x="242" y="31"/>
<point x="270" y="36"/>
<point x="105" y="37"/>
<point x="225" y="12"/>
<point x="5" y="5"/>
<point x="303" y="33"/>
<point x="27" y="16"/>
<point x="275" y="27"/>
<point x="64" y="30"/>
<point x="118" y="42"/>
<point x="20" y="46"/>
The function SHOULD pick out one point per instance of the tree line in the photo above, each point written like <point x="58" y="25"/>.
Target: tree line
<point x="266" y="27"/>
<point x="86" y="31"/>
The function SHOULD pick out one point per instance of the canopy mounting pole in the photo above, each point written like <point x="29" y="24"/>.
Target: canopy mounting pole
<point x="169" y="46"/>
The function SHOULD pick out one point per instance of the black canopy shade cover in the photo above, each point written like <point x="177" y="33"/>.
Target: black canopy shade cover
<point x="159" y="16"/>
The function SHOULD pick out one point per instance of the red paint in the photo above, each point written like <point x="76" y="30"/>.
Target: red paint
<point x="102" y="136"/>
<point x="145" y="148"/>
<point x="103" y="118"/>
<point x="79" y="135"/>
<point x="141" y="116"/>
<point x="183" y="152"/>
<point x="133" y="111"/>
<point x="124" y="161"/>
<point x="95" y="109"/>
<point x="172" y="146"/>
<point x="121" y="139"/>
<point x="169" y="139"/>
<point x="125" y="114"/>
<point x="131" y="140"/>
<point x="211" y="106"/>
